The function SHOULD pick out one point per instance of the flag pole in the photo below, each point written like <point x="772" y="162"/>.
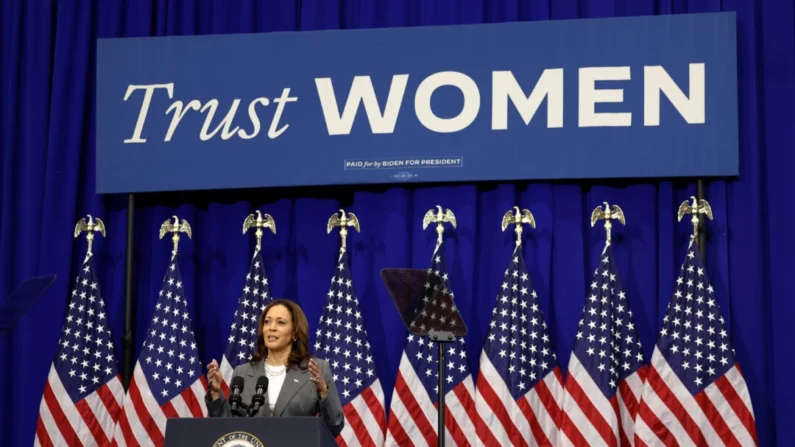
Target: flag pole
<point x="129" y="312"/>
<point x="702" y="239"/>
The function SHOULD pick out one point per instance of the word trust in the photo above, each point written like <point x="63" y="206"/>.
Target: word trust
<point x="506" y="92"/>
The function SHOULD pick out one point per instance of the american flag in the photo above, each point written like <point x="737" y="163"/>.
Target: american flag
<point x="606" y="369"/>
<point x="83" y="395"/>
<point x="413" y="409"/>
<point x="520" y="386"/>
<point x="167" y="380"/>
<point x="242" y="339"/>
<point x="695" y="393"/>
<point x="341" y="339"/>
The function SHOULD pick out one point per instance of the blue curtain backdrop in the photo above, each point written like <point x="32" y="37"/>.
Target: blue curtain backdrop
<point x="47" y="118"/>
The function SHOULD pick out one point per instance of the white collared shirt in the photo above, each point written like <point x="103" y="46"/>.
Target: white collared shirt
<point x="276" y="376"/>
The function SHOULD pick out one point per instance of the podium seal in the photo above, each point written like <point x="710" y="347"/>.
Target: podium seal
<point x="238" y="439"/>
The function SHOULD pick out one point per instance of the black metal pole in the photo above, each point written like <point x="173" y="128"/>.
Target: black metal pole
<point x="440" y="423"/>
<point x="702" y="239"/>
<point x="129" y="308"/>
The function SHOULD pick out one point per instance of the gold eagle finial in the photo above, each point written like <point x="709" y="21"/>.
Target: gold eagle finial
<point x="608" y="214"/>
<point x="176" y="227"/>
<point x="343" y="220"/>
<point x="695" y="208"/>
<point x="259" y="222"/>
<point x="439" y="217"/>
<point x="93" y="225"/>
<point x="518" y="217"/>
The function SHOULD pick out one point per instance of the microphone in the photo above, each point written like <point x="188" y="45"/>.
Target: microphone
<point x="236" y="391"/>
<point x="258" y="399"/>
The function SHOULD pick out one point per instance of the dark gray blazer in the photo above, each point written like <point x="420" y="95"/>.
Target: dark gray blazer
<point x="297" y="397"/>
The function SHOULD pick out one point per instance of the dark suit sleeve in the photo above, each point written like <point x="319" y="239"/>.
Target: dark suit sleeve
<point x="218" y="408"/>
<point x="331" y="407"/>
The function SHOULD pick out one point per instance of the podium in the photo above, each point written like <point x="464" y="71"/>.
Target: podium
<point x="20" y="302"/>
<point x="248" y="432"/>
<point x="427" y="308"/>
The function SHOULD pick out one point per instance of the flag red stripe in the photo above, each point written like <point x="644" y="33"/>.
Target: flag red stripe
<point x="643" y="373"/>
<point x="483" y="433"/>
<point x="571" y="431"/>
<point x="126" y="431"/>
<point x="469" y="405"/>
<point x="624" y="441"/>
<point x="714" y="418"/>
<point x="630" y="402"/>
<point x="590" y="411"/>
<point x="41" y="433"/>
<point x="535" y="426"/>
<point x="639" y="442"/>
<point x="58" y="416"/>
<point x="397" y="432"/>
<point x="629" y="397"/>
<point x="193" y="404"/>
<point x="485" y="436"/>
<point x="375" y="407"/>
<point x="416" y="413"/>
<point x="546" y="396"/>
<point x="107" y="398"/>
<point x="146" y="420"/>
<point x="90" y="420"/>
<point x="352" y="417"/>
<point x="169" y="410"/>
<point x="225" y="389"/>
<point x="340" y="441"/>
<point x="656" y="426"/>
<point x="451" y="425"/>
<point x="737" y="404"/>
<point x="497" y="407"/>
<point x="553" y="408"/>
<point x="561" y="419"/>
<point x="669" y="399"/>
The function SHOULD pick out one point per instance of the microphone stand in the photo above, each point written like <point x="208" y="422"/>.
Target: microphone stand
<point x="236" y="400"/>
<point x="241" y="410"/>
<point x="256" y="404"/>
<point x="237" y="406"/>
<point x="252" y="411"/>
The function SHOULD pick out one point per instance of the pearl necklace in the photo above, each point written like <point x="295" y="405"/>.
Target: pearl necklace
<point x="275" y="370"/>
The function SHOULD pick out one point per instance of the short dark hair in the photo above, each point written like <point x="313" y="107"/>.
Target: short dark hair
<point x="300" y="351"/>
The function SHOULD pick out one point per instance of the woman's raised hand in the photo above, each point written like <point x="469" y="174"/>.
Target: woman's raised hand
<point x="214" y="379"/>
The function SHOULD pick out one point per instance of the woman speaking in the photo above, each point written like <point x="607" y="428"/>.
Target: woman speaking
<point x="297" y="385"/>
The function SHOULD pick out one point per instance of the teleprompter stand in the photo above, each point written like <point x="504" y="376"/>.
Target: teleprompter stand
<point x="426" y="307"/>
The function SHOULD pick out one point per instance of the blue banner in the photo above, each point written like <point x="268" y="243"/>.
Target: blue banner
<point x="576" y="99"/>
